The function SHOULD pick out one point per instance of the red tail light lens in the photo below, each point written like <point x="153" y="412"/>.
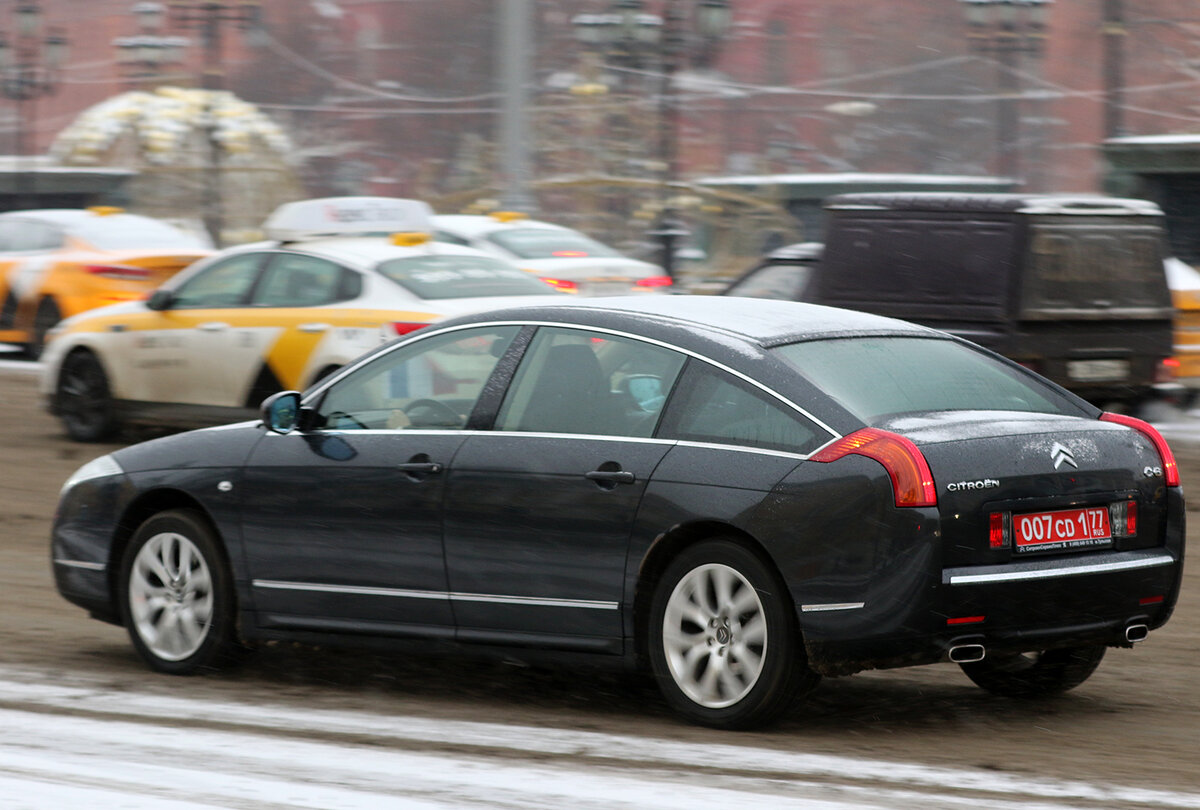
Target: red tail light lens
<point x="999" y="529"/>
<point x="1169" y="467"/>
<point x="654" y="281"/>
<point x="404" y="327"/>
<point x="119" y="272"/>
<point x="1166" y="370"/>
<point x="562" y="285"/>
<point x="912" y="480"/>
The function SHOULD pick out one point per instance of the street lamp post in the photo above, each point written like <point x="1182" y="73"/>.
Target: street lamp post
<point x="629" y="37"/>
<point x="145" y="55"/>
<point x="29" y="67"/>
<point x="1007" y="28"/>
<point x="208" y="16"/>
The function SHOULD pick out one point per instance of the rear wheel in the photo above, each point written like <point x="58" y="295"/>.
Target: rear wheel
<point x="1035" y="674"/>
<point x="724" y="644"/>
<point x="83" y="400"/>
<point x="176" y="595"/>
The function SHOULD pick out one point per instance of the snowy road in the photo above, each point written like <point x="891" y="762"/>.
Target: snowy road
<point x="75" y="743"/>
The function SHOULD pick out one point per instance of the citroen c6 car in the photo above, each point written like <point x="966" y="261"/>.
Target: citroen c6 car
<point x="337" y="277"/>
<point x="739" y="495"/>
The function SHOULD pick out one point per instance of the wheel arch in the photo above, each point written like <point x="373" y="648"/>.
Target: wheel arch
<point x="142" y="509"/>
<point x="668" y="546"/>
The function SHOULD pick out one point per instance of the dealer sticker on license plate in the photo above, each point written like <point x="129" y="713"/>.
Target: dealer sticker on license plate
<point x="1062" y="529"/>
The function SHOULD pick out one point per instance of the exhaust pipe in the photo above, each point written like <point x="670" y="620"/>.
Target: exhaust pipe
<point x="1136" y="632"/>
<point x="967" y="653"/>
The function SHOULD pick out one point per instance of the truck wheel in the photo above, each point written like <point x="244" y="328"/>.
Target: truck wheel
<point x="724" y="643"/>
<point x="1036" y="674"/>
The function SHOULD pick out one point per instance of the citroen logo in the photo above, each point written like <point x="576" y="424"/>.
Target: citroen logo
<point x="1061" y="455"/>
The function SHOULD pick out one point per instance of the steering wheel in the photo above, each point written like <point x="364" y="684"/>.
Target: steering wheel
<point x="438" y="414"/>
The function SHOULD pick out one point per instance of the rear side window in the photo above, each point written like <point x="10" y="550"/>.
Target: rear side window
<point x="550" y="243"/>
<point x="879" y="377"/>
<point x="713" y="406"/>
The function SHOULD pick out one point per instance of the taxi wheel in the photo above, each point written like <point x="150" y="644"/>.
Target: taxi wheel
<point x="724" y="643"/>
<point x="44" y="320"/>
<point x="84" y="403"/>
<point x="176" y="592"/>
<point x="1035" y="674"/>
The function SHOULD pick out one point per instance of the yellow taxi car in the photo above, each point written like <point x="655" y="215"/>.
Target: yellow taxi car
<point x="1184" y="281"/>
<point x="55" y="263"/>
<point x="336" y="278"/>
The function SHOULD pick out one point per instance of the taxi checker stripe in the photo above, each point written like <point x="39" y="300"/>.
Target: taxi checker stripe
<point x="1060" y="455"/>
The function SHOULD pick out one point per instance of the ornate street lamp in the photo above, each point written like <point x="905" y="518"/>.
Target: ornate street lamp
<point x="1007" y="28"/>
<point x="630" y="37"/>
<point x="146" y="55"/>
<point x="29" y="70"/>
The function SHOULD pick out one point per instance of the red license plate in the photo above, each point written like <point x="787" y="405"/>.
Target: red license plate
<point x="1062" y="529"/>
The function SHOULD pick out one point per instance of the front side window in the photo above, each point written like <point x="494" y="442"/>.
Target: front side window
<point x="714" y="407"/>
<point x="295" y="280"/>
<point x="550" y="243"/>
<point x="460" y="276"/>
<point x="878" y="377"/>
<point x="429" y="384"/>
<point x="225" y="284"/>
<point x="573" y="381"/>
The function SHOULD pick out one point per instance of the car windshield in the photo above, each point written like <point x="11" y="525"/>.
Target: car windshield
<point x="879" y="377"/>
<point x="459" y="276"/>
<point x="550" y="243"/>
<point x="132" y="232"/>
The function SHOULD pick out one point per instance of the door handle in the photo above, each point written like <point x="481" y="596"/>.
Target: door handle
<point x="419" y="467"/>
<point x="213" y="326"/>
<point x="313" y="328"/>
<point x="611" y="476"/>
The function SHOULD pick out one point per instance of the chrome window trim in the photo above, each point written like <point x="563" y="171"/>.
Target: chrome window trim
<point x="1042" y="570"/>
<point x="82" y="564"/>
<point x="427" y="333"/>
<point x="442" y="596"/>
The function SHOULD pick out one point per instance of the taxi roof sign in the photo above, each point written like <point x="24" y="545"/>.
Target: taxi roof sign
<point x="347" y="216"/>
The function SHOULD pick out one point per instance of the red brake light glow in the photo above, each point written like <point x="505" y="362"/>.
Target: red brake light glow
<point x="966" y="620"/>
<point x="118" y="271"/>
<point x="404" y="327"/>
<point x="1169" y="467"/>
<point x="912" y="480"/>
<point x="562" y="285"/>
<point x="654" y="281"/>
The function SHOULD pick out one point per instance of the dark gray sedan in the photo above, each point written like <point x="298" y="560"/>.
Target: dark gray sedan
<point x="740" y="495"/>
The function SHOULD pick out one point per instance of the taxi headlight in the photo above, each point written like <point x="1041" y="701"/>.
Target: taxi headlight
<point x="102" y="467"/>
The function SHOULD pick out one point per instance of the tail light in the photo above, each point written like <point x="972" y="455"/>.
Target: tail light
<point x="1122" y="517"/>
<point x="654" y="281"/>
<point x="119" y="272"/>
<point x="404" y="327"/>
<point x="912" y="480"/>
<point x="1166" y="370"/>
<point x="1169" y="468"/>
<point x="562" y="285"/>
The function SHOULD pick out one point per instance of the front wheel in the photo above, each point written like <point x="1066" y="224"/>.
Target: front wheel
<point x="84" y="402"/>
<point x="176" y="594"/>
<point x="724" y="644"/>
<point x="1035" y="674"/>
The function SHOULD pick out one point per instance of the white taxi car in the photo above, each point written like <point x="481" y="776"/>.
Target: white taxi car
<point x="562" y="257"/>
<point x="338" y="276"/>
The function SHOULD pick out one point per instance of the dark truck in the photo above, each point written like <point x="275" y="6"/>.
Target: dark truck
<point x="1071" y="286"/>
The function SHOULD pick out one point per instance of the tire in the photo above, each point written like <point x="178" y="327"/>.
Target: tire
<point x="723" y="638"/>
<point x="44" y="320"/>
<point x="176" y="592"/>
<point x="1036" y="674"/>
<point x="83" y="401"/>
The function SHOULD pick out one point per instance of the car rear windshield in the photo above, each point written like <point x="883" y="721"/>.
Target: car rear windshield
<point x="132" y="232"/>
<point x="451" y="276"/>
<point x="880" y="377"/>
<point x="550" y="243"/>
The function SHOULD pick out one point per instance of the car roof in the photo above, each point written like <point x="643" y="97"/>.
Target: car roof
<point x="763" y="322"/>
<point x="475" y="224"/>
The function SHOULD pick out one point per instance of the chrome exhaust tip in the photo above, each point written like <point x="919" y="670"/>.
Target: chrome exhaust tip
<point x="967" y="653"/>
<point x="1136" y="632"/>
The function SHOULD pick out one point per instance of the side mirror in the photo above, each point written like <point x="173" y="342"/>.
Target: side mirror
<point x="160" y="299"/>
<point x="281" y="411"/>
